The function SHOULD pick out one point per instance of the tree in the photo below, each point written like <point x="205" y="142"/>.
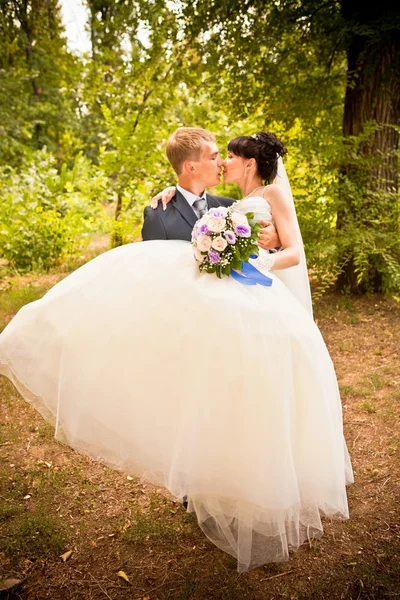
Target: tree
<point x="36" y="69"/>
<point x="137" y="91"/>
<point x="323" y="63"/>
<point x="372" y="42"/>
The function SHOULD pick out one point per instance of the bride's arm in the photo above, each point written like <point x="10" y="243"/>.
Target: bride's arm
<point x="285" y="223"/>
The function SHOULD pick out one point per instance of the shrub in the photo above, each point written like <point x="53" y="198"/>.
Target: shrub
<point x="46" y="215"/>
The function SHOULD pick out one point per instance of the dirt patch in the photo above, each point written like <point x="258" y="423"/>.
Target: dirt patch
<point x="61" y="500"/>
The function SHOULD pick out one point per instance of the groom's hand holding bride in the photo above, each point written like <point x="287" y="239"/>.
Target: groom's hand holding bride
<point x="268" y="238"/>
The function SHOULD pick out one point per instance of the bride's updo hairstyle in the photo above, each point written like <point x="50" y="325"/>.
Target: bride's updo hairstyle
<point x="265" y="147"/>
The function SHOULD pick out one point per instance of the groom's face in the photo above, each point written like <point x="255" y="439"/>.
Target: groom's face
<point x="208" y="168"/>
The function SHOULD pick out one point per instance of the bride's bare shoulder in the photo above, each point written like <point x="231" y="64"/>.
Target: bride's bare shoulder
<point x="272" y="192"/>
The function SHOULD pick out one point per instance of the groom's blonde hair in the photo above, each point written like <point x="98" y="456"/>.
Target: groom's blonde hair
<point x="185" y="144"/>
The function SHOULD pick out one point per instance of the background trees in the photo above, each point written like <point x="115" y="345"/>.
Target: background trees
<point x="334" y="68"/>
<point x="323" y="74"/>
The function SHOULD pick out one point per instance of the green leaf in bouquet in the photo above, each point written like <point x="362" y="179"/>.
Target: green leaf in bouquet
<point x="236" y="263"/>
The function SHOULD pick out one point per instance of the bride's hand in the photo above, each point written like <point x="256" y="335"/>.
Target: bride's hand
<point x="269" y="238"/>
<point x="165" y="196"/>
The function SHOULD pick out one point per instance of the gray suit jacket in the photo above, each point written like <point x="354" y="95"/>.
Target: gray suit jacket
<point x="177" y="222"/>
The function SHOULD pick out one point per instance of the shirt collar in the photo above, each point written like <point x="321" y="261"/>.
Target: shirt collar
<point x="189" y="197"/>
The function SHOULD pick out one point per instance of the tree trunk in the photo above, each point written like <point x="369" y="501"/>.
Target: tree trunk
<point x="372" y="95"/>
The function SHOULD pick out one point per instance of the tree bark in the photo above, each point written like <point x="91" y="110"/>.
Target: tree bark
<point x="372" y="95"/>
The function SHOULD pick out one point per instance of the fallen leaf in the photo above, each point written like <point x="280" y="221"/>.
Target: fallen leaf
<point x="123" y="576"/>
<point x="66" y="555"/>
<point x="126" y="526"/>
<point x="27" y="497"/>
<point x="129" y="478"/>
<point x="8" y="584"/>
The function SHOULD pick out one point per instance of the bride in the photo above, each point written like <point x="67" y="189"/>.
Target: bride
<point x="240" y="413"/>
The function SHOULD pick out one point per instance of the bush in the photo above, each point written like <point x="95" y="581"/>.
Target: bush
<point x="46" y="215"/>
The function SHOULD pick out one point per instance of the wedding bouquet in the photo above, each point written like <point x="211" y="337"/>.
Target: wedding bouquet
<point x="223" y="239"/>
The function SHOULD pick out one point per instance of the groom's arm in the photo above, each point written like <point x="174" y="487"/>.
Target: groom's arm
<point x="153" y="228"/>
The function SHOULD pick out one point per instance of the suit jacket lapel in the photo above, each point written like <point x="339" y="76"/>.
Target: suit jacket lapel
<point x="211" y="202"/>
<point x="184" y="208"/>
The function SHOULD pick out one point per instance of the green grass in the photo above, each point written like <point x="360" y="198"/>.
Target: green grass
<point x="8" y="510"/>
<point x="34" y="536"/>
<point x="368" y="407"/>
<point x="11" y="300"/>
<point x="156" y="523"/>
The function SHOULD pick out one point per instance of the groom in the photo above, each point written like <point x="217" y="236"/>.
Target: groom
<point x="194" y="155"/>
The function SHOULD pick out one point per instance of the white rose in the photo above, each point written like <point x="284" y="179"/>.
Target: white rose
<point x="198" y="255"/>
<point x="222" y="210"/>
<point x="239" y="219"/>
<point x="203" y="243"/>
<point x="219" y="243"/>
<point x="216" y="225"/>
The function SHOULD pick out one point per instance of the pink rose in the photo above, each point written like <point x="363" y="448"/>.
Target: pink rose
<point x="198" y="255"/>
<point x="219" y="243"/>
<point x="203" y="243"/>
<point x="216" y="224"/>
<point x="239" y="219"/>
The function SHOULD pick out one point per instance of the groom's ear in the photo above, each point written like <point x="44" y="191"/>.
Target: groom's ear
<point x="188" y="167"/>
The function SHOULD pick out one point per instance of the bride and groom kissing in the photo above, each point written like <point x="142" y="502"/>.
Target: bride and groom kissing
<point x="194" y="155"/>
<point x="241" y="414"/>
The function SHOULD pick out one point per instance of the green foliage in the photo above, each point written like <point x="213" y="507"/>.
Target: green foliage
<point x="46" y="215"/>
<point x="287" y="64"/>
<point x="13" y="298"/>
<point x="38" y="76"/>
<point x="158" y="65"/>
<point x="368" y="216"/>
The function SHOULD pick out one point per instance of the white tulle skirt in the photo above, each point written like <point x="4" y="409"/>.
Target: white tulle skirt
<point x="220" y="392"/>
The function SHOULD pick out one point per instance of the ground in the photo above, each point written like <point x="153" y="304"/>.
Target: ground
<point x="54" y="500"/>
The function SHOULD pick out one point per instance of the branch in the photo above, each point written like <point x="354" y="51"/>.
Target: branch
<point x="146" y="96"/>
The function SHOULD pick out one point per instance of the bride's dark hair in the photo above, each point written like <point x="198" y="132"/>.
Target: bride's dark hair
<point x="265" y="147"/>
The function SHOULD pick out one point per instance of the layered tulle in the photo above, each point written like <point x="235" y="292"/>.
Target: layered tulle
<point x="218" y="391"/>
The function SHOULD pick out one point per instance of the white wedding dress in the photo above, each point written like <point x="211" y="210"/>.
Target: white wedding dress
<point x="220" y="392"/>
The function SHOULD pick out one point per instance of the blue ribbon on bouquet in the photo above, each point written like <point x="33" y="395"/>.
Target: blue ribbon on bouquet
<point x="250" y="275"/>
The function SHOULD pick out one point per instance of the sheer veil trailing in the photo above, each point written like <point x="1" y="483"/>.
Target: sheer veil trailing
<point x="295" y="278"/>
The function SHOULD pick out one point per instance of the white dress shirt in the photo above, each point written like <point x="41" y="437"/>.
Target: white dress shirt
<point x="190" y="198"/>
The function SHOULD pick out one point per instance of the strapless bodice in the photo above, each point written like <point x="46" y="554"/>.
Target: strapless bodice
<point x="257" y="205"/>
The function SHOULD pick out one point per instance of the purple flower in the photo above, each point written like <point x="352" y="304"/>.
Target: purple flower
<point x="218" y="213"/>
<point x="204" y="229"/>
<point x="243" y="230"/>
<point x="230" y="237"/>
<point x="213" y="255"/>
